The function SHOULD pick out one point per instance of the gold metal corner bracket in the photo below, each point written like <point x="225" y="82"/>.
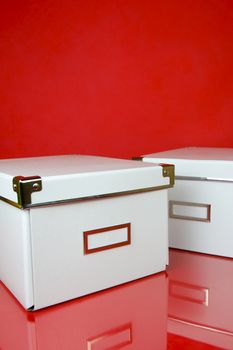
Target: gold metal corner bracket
<point x="24" y="187"/>
<point x="169" y="171"/>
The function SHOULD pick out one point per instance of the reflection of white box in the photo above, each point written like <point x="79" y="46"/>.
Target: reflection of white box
<point x="200" y="298"/>
<point x="201" y="203"/>
<point x="73" y="225"/>
<point x="131" y="316"/>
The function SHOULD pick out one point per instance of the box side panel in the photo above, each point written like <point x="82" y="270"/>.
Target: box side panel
<point x="204" y="221"/>
<point x="63" y="266"/>
<point x="15" y="253"/>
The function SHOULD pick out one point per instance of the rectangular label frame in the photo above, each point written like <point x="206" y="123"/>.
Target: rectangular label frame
<point x="189" y="204"/>
<point x="86" y="234"/>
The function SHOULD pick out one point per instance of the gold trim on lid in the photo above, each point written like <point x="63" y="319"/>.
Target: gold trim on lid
<point x="24" y="187"/>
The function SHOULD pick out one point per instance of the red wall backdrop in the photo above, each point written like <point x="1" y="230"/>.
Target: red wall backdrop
<point x="114" y="77"/>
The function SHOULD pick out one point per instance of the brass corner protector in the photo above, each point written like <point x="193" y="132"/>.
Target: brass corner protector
<point x="24" y="187"/>
<point x="169" y="171"/>
<point x="137" y="158"/>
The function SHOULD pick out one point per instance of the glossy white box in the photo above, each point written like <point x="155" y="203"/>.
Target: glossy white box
<point x="201" y="203"/>
<point x="74" y="225"/>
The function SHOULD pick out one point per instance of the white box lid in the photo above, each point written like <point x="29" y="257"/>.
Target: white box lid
<point x="202" y="162"/>
<point x="36" y="181"/>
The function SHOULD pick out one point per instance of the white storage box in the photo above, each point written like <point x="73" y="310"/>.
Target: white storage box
<point x="201" y="203"/>
<point x="73" y="225"/>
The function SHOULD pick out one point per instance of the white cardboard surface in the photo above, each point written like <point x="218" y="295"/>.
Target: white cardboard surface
<point x="70" y="177"/>
<point x="215" y="163"/>
<point x="215" y="236"/>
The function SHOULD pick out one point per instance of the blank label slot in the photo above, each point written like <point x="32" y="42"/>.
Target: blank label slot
<point x="189" y="211"/>
<point x="106" y="238"/>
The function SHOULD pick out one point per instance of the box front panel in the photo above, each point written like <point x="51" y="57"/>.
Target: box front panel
<point x="201" y="217"/>
<point x="88" y="246"/>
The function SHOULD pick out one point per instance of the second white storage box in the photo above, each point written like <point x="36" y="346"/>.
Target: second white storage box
<point x="201" y="203"/>
<point x="73" y="225"/>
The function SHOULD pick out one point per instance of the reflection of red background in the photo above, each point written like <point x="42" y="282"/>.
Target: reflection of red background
<point x="118" y="77"/>
<point x="133" y="314"/>
<point x="189" y="314"/>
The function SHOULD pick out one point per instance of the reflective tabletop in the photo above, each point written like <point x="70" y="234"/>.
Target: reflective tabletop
<point x="190" y="306"/>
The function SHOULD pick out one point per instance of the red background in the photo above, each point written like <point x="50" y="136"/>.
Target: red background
<point x="115" y="77"/>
